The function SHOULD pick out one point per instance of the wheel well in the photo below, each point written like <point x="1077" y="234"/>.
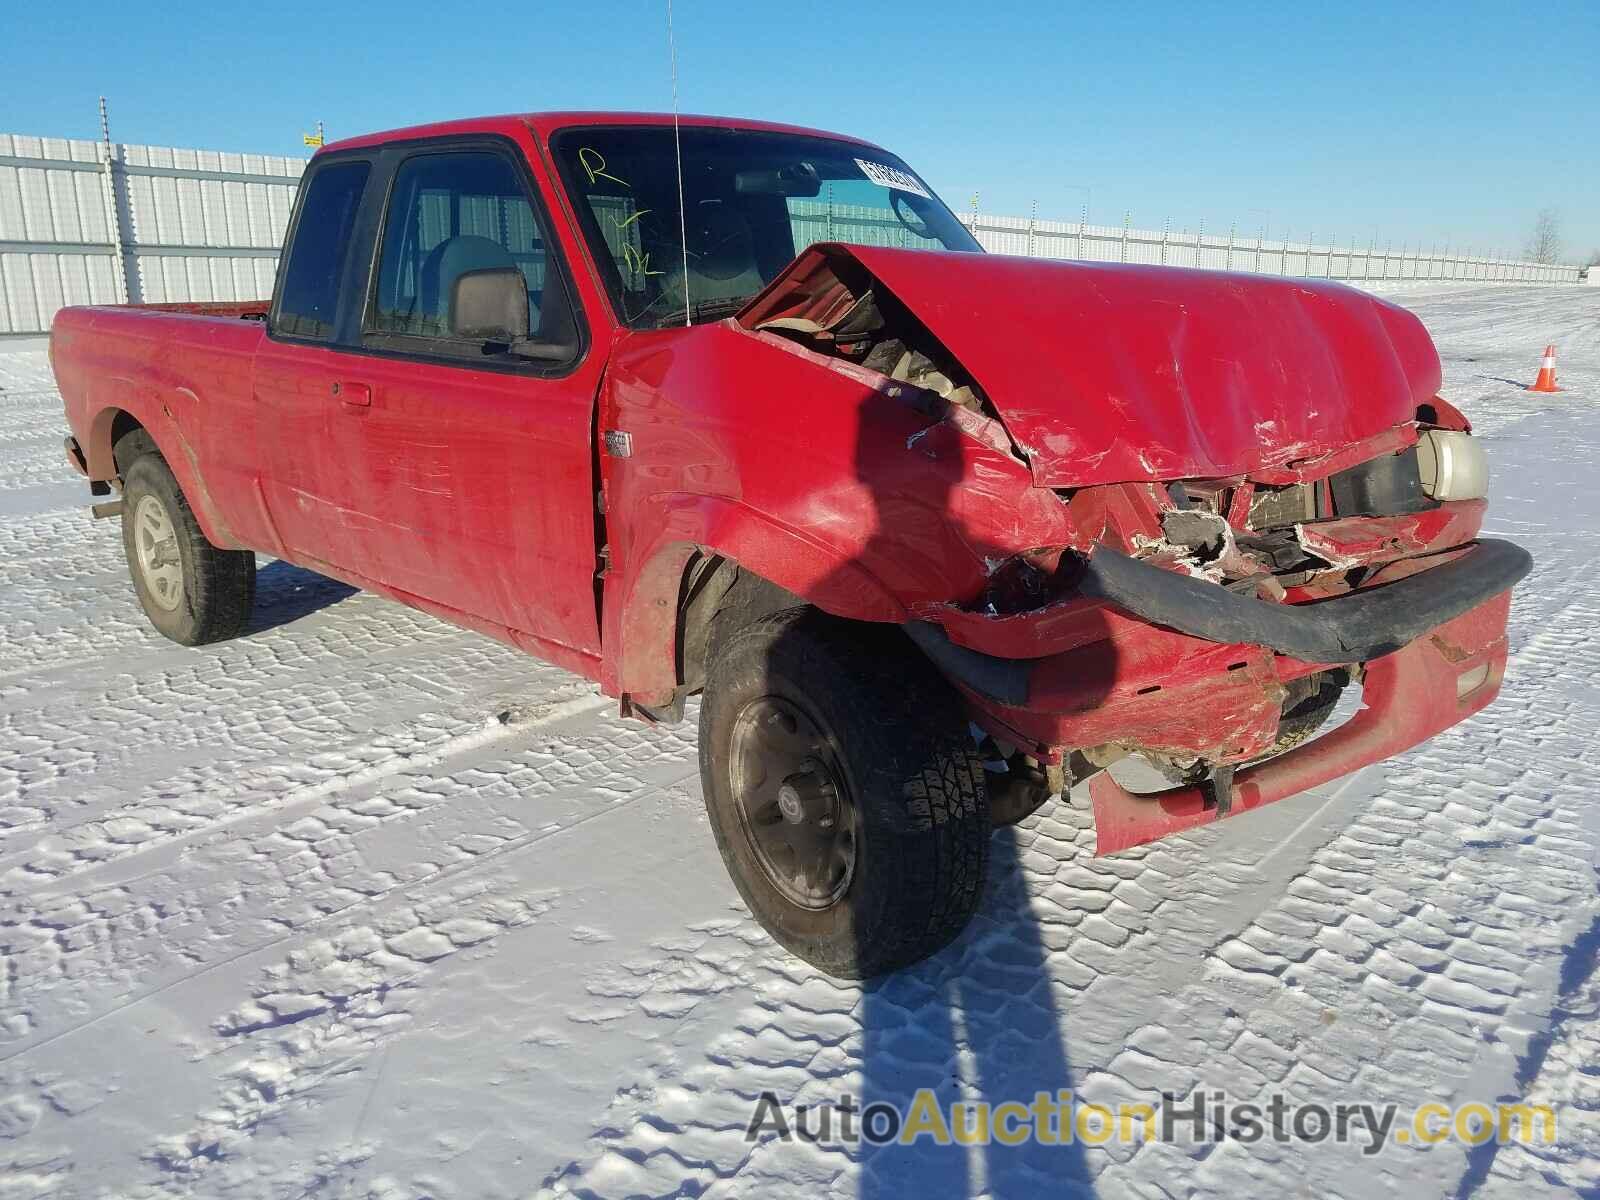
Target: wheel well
<point x="129" y="439"/>
<point x="717" y="596"/>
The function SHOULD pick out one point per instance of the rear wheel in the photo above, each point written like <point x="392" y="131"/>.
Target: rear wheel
<point x="843" y="790"/>
<point x="192" y="592"/>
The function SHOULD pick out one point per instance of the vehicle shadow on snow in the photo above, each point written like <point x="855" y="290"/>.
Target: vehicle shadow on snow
<point x="285" y="593"/>
<point x="976" y="1023"/>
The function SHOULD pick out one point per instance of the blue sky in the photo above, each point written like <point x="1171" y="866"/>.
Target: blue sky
<point x="1413" y="123"/>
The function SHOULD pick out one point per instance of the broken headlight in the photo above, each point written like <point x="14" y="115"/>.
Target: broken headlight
<point x="1453" y="465"/>
<point x="1031" y="580"/>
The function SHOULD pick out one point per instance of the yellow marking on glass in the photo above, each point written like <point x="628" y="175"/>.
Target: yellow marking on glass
<point x="636" y="261"/>
<point x="594" y="166"/>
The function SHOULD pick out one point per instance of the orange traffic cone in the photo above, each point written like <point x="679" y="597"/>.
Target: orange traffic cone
<point x="1547" y="373"/>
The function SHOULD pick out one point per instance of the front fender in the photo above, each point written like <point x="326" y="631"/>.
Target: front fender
<point x="641" y="599"/>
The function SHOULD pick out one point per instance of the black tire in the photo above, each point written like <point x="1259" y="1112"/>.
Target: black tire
<point x="205" y="595"/>
<point x="1310" y="702"/>
<point x="893" y="735"/>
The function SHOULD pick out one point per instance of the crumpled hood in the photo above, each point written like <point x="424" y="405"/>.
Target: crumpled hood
<point x="1106" y="373"/>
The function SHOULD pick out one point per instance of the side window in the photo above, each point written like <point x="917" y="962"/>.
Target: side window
<point x="451" y="214"/>
<point x="309" y="302"/>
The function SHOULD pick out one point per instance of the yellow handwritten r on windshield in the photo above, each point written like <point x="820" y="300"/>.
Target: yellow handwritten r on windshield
<point x="594" y="166"/>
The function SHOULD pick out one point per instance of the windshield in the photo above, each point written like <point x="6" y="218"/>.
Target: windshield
<point x="753" y="200"/>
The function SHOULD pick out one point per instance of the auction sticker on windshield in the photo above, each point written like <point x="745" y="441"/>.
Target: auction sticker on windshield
<point x="892" y="177"/>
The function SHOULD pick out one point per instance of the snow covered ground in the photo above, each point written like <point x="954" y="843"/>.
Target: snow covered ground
<point x="362" y="905"/>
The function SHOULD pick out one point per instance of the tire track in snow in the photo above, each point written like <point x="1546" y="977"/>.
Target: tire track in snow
<point x="107" y="853"/>
<point x="341" y="909"/>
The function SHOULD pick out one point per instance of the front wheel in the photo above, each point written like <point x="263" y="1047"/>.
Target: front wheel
<point x="844" y="791"/>
<point x="192" y="592"/>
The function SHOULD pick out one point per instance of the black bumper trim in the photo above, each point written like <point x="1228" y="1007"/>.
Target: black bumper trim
<point x="1351" y="628"/>
<point x="1002" y="679"/>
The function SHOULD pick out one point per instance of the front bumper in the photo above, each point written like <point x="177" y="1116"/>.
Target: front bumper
<point x="1183" y="667"/>
<point x="1352" y="628"/>
<point x="1407" y="697"/>
<point x="1346" y="629"/>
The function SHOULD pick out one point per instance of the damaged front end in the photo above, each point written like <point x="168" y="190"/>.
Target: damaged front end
<point x="1210" y="633"/>
<point x="1262" y="500"/>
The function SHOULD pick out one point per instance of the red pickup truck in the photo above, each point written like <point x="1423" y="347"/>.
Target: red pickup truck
<point x="741" y="409"/>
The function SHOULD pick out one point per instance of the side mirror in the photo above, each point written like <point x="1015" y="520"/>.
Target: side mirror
<point x="490" y="305"/>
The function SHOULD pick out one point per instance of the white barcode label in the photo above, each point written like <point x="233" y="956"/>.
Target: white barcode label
<point x="892" y="177"/>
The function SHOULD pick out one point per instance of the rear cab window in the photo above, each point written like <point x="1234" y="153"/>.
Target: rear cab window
<point x="308" y="298"/>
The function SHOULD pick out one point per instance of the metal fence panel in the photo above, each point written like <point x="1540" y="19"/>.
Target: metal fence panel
<point x="85" y="222"/>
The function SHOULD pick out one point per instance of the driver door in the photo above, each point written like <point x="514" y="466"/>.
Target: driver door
<point x="468" y="473"/>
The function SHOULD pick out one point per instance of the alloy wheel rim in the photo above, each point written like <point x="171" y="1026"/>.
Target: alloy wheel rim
<point x="156" y="546"/>
<point x="794" y="804"/>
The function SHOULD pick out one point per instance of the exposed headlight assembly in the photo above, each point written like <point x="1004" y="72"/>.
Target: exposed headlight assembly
<point x="1453" y="465"/>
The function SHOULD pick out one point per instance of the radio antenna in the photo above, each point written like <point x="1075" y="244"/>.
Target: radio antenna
<point x="677" y="149"/>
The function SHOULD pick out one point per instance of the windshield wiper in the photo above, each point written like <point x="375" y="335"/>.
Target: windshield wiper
<point x="712" y="310"/>
<point x="705" y="310"/>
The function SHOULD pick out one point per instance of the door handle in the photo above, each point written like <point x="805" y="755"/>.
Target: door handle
<point x="354" y="395"/>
